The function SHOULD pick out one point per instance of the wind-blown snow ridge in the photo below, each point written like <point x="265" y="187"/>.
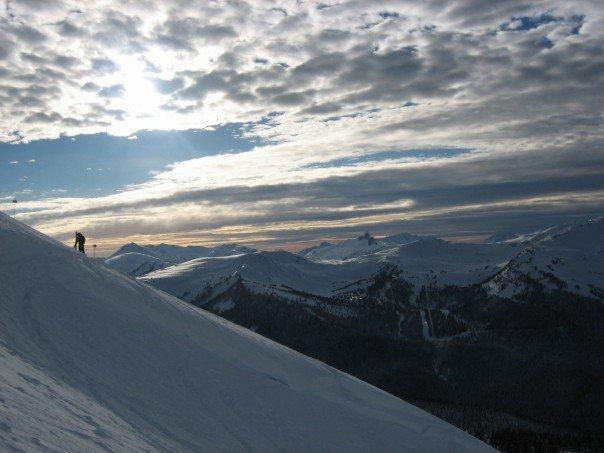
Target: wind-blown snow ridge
<point x="92" y="360"/>
<point x="138" y="260"/>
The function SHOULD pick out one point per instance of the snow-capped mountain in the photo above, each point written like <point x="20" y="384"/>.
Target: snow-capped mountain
<point x="138" y="260"/>
<point x="92" y="360"/>
<point x="424" y="261"/>
<point x="434" y="261"/>
<point x="345" y="250"/>
<point x="320" y="246"/>
<point x="569" y="258"/>
<point x="402" y="238"/>
<point x="528" y="237"/>
<point x="565" y="256"/>
<point x="136" y="264"/>
<point x="277" y="272"/>
<point x="350" y="249"/>
<point x="178" y="254"/>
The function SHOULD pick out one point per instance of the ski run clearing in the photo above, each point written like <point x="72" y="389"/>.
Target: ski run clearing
<point x="91" y="360"/>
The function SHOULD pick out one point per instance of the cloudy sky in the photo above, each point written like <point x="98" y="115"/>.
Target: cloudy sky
<point x="280" y="124"/>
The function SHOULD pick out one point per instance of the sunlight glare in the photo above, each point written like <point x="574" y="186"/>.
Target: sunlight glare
<point x="140" y="95"/>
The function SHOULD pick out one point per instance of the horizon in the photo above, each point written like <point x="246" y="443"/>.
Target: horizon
<point x="284" y="125"/>
<point x="297" y="247"/>
<point x="302" y="245"/>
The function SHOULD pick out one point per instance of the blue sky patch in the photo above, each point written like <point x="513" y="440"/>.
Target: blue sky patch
<point x="100" y="164"/>
<point x="391" y="155"/>
<point x="523" y="23"/>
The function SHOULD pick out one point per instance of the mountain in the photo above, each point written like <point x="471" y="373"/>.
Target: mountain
<point x="402" y="238"/>
<point x="278" y="272"/>
<point x="345" y="250"/>
<point x="138" y="260"/>
<point x="528" y="237"/>
<point x="350" y="249"/>
<point x="261" y="272"/>
<point x="322" y="245"/>
<point x="136" y="264"/>
<point x="424" y="261"/>
<point x="92" y="360"/>
<point x="178" y="254"/>
<point x="570" y="258"/>
<point x="431" y="260"/>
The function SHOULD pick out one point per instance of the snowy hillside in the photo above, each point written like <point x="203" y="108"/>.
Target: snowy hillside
<point x="138" y="260"/>
<point x="277" y="272"/>
<point x="526" y="238"/>
<point x="402" y="238"/>
<point x="92" y="360"/>
<point x="136" y="264"/>
<point x="424" y="261"/>
<point x="435" y="261"/>
<point x="569" y="258"/>
<point x="364" y="245"/>
<point x="345" y="250"/>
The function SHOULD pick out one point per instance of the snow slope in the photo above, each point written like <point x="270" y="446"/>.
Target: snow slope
<point x="402" y="238"/>
<point x="534" y="236"/>
<point x="262" y="272"/>
<point x="178" y="254"/>
<point x="424" y="261"/>
<point x="432" y="260"/>
<point x="92" y="361"/>
<point x="569" y="258"/>
<point x="137" y="260"/>
<point x="136" y="264"/>
<point x="345" y="250"/>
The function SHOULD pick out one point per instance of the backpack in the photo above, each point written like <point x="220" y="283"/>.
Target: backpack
<point x="81" y="238"/>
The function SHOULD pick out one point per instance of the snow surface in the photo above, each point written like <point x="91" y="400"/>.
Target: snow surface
<point x="571" y="256"/>
<point x="345" y="250"/>
<point x="423" y="261"/>
<point x="138" y="260"/>
<point x="178" y="254"/>
<point x="351" y="249"/>
<point x="136" y="264"/>
<point x="261" y="272"/>
<point x="434" y="261"/>
<point x="92" y="360"/>
<point x="568" y="257"/>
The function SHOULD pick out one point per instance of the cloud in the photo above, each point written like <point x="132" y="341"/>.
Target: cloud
<point x="103" y="66"/>
<point x="183" y="33"/>
<point x="189" y="199"/>
<point x="28" y="34"/>
<point x="323" y="89"/>
<point x="323" y="59"/>
<point x="113" y="91"/>
<point x="170" y="85"/>
<point x="68" y="29"/>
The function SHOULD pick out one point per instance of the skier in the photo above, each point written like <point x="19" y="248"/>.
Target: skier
<point x="79" y="241"/>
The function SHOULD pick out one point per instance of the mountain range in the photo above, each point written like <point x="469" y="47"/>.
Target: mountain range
<point x="137" y="260"/>
<point x="566" y="257"/>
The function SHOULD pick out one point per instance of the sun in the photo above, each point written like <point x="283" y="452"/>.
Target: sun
<point x="140" y="94"/>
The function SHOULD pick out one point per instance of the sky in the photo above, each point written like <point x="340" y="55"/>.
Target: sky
<point x="281" y="124"/>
